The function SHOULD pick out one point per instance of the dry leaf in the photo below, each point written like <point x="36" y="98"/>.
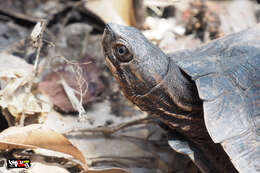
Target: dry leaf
<point x="116" y="11"/>
<point x="64" y="86"/>
<point x="16" y="94"/>
<point x="111" y="170"/>
<point x="38" y="136"/>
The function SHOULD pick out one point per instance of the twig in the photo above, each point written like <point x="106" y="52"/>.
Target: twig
<point x="70" y="62"/>
<point x="110" y="130"/>
<point x="16" y="15"/>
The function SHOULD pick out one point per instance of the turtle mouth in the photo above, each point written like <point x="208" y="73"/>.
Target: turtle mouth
<point x="107" y="40"/>
<point x="111" y="66"/>
<point x="121" y="78"/>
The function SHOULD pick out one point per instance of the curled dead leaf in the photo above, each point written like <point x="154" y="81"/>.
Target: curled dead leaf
<point x="17" y="94"/>
<point x="38" y="136"/>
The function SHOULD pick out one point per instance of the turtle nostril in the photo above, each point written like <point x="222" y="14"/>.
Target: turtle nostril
<point x="108" y="36"/>
<point x="108" y="30"/>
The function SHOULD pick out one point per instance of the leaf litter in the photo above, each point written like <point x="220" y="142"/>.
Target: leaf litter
<point x="128" y="140"/>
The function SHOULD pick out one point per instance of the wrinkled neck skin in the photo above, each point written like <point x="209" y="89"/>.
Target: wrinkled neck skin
<point x="175" y="93"/>
<point x="175" y="101"/>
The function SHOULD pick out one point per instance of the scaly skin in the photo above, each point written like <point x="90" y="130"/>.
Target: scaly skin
<point x="153" y="82"/>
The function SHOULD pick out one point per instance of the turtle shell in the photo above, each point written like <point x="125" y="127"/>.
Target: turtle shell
<point x="227" y="75"/>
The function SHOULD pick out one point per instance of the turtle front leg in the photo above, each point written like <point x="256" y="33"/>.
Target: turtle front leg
<point x="192" y="139"/>
<point x="182" y="145"/>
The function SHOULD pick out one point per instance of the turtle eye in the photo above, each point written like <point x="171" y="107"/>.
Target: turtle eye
<point x="122" y="53"/>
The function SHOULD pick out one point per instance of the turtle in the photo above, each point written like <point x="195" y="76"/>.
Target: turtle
<point x="209" y="97"/>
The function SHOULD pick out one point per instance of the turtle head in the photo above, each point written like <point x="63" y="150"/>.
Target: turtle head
<point x="137" y="64"/>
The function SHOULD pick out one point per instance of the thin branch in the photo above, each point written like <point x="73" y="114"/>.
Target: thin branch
<point x="110" y="130"/>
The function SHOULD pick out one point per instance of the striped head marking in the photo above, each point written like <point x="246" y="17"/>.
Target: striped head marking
<point x="137" y="64"/>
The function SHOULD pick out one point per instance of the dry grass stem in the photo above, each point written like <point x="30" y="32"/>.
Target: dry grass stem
<point x="82" y="88"/>
<point x="36" y="37"/>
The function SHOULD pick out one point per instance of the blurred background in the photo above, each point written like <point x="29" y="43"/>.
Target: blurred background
<point x="81" y="98"/>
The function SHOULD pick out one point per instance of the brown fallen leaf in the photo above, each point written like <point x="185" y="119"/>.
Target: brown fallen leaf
<point x="52" y="84"/>
<point x="110" y="170"/>
<point x="38" y="136"/>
